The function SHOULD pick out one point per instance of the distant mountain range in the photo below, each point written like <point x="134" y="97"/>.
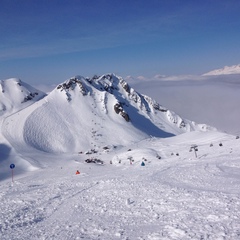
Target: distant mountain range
<point x="82" y="114"/>
<point x="235" y="69"/>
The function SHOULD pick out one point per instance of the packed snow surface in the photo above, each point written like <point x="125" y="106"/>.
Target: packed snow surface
<point x="179" y="196"/>
<point x="157" y="176"/>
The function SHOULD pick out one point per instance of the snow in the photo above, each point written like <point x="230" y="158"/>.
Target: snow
<point x="16" y="94"/>
<point x="176" y="195"/>
<point x="235" y="69"/>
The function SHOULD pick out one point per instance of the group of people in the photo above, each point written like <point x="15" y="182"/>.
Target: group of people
<point x="142" y="164"/>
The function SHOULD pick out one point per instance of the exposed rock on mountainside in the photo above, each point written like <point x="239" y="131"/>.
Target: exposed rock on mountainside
<point x="71" y="84"/>
<point x="119" y="110"/>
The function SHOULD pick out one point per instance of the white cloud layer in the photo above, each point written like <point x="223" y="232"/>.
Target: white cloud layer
<point x="213" y="100"/>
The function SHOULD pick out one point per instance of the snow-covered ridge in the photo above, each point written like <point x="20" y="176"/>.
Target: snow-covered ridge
<point x="15" y="95"/>
<point x="235" y="69"/>
<point x="125" y="94"/>
<point x="83" y="113"/>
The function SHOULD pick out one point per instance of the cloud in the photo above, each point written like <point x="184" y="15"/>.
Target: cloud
<point x="60" y="46"/>
<point x="142" y="78"/>
<point x="211" y="100"/>
<point x="179" y="77"/>
<point x="36" y="35"/>
<point x="47" y="88"/>
<point x="161" y="77"/>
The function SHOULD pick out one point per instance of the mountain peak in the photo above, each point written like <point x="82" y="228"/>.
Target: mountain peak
<point x="15" y="95"/>
<point x="227" y="70"/>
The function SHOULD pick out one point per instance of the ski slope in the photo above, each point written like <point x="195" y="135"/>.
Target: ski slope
<point x="176" y="195"/>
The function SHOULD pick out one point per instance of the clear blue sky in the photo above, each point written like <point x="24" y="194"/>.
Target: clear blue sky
<point x="48" y="41"/>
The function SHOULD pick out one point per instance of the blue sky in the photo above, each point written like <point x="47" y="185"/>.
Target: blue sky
<point x="46" y="42"/>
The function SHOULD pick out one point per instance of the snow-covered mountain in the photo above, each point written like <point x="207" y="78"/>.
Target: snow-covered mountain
<point x="235" y="69"/>
<point x="84" y="113"/>
<point x="16" y="95"/>
<point x="158" y="177"/>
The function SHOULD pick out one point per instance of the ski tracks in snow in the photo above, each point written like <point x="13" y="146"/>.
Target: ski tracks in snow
<point x="107" y="207"/>
<point x="171" y="198"/>
<point x="35" y="210"/>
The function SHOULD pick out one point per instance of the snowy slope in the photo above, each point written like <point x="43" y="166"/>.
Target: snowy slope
<point x="176" y="195"/>
<point x="235" y="69"/>
<point x="16" y="95"/>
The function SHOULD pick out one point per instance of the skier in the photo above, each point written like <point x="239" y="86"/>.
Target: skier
<point x="77" y="172"/>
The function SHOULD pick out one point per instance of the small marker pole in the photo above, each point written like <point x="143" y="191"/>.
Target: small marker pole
<point x="12" y="166"/>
